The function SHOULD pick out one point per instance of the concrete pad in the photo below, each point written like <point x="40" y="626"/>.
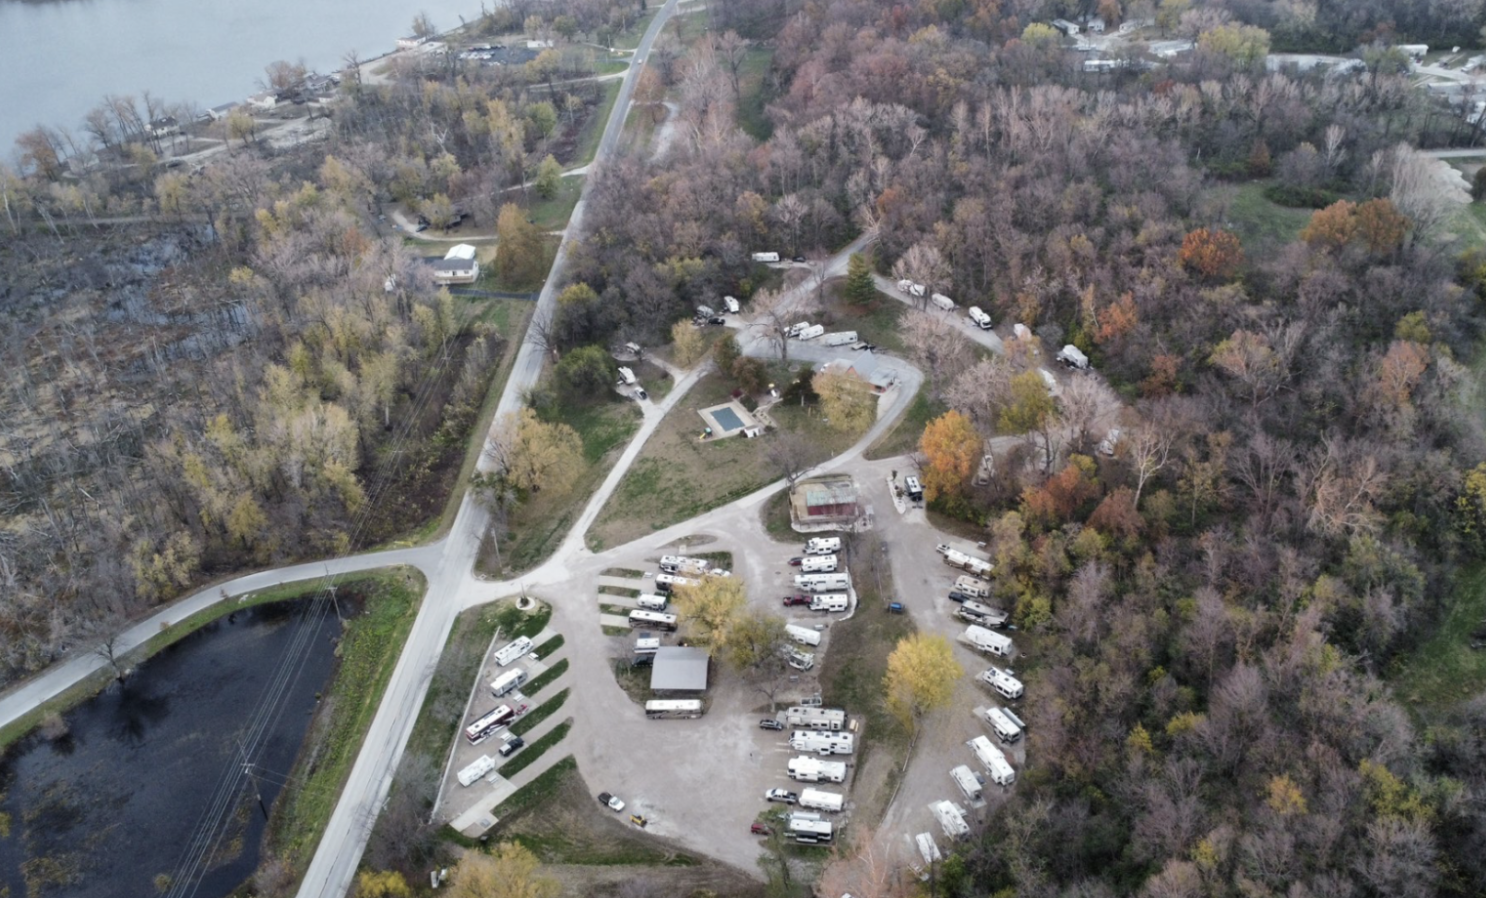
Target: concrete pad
<point x="476" y="819"/>
<point x="619" y="602"/>
<point x="613" y="620"/>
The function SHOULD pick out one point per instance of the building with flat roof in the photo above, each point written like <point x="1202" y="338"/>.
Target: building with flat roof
<point x="679" y="669"/>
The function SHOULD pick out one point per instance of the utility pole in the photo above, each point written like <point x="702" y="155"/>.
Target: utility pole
<point x="253" y="778"/>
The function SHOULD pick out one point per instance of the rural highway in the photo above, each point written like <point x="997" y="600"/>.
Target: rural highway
<point x="451" y="578"/>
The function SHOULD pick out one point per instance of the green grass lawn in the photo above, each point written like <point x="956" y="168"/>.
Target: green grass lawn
<point x="639" y="128"/>
<point x="754" y="93"/>
<point x="553" y="214"/>
<point x="1263" y="226"/>
<point x="537" y="526"/>
<point x="1468" y="227"/>
<point x="629" y="39"/>
<point x="877" y="321"/>
<point x="593" y="129"/>
<point x="610" y="66"/>
<point x="1445" y="670"/>
<point x="677" y="476"/>
<point x="370" y="645"/>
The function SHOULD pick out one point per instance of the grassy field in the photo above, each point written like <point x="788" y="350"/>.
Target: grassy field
<point x="553" y="214"/>
<point x="370" y="645"/>
<point x="852" y="679"/>
<point x="593" y="129"/>
<point x="639" y="128"/>
<point x="546" y="676"/>
<point x="676" y="476"/>
<point x="1445" y="669"/>
<point x="538" y="525"/>
<point x="904" y="436"/>
<point x="1262" y="225"/>
<point x="630" y="38"/>
<point x="777" y="520"/>
<point x="1469" y="227"/>
<point x="754" y="93"/>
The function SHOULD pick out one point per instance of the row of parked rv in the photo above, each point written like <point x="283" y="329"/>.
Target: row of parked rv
<point x="804" y="330"/>
<point x="822" y="731"/>
<point x="823" y="588"/>
<point x="912" y="290"/>
<point x="675" y="570"/>
<point x="496" y="722"/>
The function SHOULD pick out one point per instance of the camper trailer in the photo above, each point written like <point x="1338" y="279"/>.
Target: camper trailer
<point x="815" y="718"/>
<point x="811" y="332"/>
<point x="984" y="615"/>
<point x="512" y="650"/>
<point x="818" y="564"/>
<point x="823" y="582"/>
<point x="1006" y="726"/>
<point x="973" y="586"/>
<point x="981" y="319"/>
<point x="476" y="771"/>
<point x="968" y="782"/>
<point x="1006" y="685"/>
<point x="795" y="329"/>
<point x="806" y="769"/>
<point x="1073" y="357"/>
<point x="994" y="761"/>
<point x="989" y="641"/>
<point x="914" y="488"/>
<point x="627" y="376"/>
<point x="809" y="828"/>
<point x="831" y="601"/>
<point x="683" y="564"/>
<point x="766" y="257"/>
<point x="507" y="681"/>
<point x="823" y="545"/>
<point x="927" y="848"/>
<point x="802" y="635"/>
<point x="730" y="303"/>
<point x="821" y="800"/>
<point x="822" y="743"/>
<point x="951" y="819"/>
<point x="839" y="338"/>
<point x="799" y="660"/>
<point x="652" y="602"/>
<point x="942" y="303"/>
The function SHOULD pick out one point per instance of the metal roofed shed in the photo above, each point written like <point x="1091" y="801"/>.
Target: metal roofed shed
<point x="825" y="499"/>
<point x="679" y="669"/>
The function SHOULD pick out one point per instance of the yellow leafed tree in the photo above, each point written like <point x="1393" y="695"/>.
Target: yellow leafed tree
<point x="511" y="871"/>
<point x="846" y="400"/>
<point x="538" y="455"/>
<point x="689" y="347"/>
<point x="711" y="609"/>
<point x="951" y="449"/>
<point x="921" y="675"/>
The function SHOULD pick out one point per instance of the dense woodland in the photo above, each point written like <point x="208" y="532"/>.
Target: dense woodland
<point x="1213" y="608"/>
<point x="253" y="367"/>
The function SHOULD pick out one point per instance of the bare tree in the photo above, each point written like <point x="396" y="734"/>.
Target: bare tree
<point x="867" y="872"/>
<point x="1149" y="449"/>
<point x="108" y="650"/>
<point x="773" y="314"/>
<point x="1423" y="188"/>
<point x="1086" y="400"/>
<point x="934" y="343"/>
<point x="789" y="453"/>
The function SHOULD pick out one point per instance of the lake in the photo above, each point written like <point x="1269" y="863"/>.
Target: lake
<point x="103" y="810"/>
<point x="62" y="56"/>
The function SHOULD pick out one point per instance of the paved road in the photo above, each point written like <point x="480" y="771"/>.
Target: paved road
<point x="985" y="338"/>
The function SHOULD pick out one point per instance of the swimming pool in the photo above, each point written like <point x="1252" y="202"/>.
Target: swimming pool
<point x="727" y="419"/>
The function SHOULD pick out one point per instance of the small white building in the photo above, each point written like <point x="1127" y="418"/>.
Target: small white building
<point x="459" y="266"/>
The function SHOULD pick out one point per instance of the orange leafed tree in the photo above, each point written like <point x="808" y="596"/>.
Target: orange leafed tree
<point x="1381" y="226"/>
<point x="1117" y="319"/>
<point x="1212" y="253"/>
<point x="951" y="449"/>
<point x="1332" y="227"/>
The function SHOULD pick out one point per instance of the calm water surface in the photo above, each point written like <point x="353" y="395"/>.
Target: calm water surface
<point x="62" y="56"/>
<point x="102" y="811"/>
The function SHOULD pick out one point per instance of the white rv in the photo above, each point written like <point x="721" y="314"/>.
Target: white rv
<point x="657" y="619"/>
<point x="968" y="782"/>
<point x="823" y="545"/>
<point x="831" y="601"/>
<point x="822" y="743"/>
<point x="811" y="332"/>
<point x="914" y="488"/>
<point x="904" y="286"/>
<point x="985" y="615"/>
<point x="1006" y="726"/>
<point x="823" y="582"/>
<point x="802" y="635"/>
<point x="815" y="718"/>
<point x="839" y="338"/>
<point x="951" y="819"/>
<point x="766" y="257"/>
<point x="953" y="557"/>
<point x="809" y="828"/>
<point x="989" y="641"/>
<point x="730" y="303"/>
<point x="927" y="848"/>
<point x="683" y="564"/>
<point x="667" y="582"/>
<point x="794" y="329"/>
<point x="942" y="303"/>
<point x="973" y="586"/>
<point x="799" y="660"/>
<point x="705" y="311"/>
<point x="1006" y="685"/>
<point x="818" y="564"/>
<point x="995" y="762"/>
<point x="806" y="769"/>
<point x="981" y="319"/>
<point x="652" y="602"/>
<point x="1073" y="357"/>
<point x="476" y="771"/>
<point x="821" y="800"/>
<point x="647" y="644"/>
<point x="512" y="650"/>
<point x="627" y="376"/>
<point x="507" y="681"/>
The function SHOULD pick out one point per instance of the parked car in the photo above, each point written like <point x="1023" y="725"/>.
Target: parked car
<point x="641" y="394"/>
<point x="717" y="319"/>
<point x="758" y="829"/>
<point x="796" y="599"/>
<point x="783" y="795"/>
<point x="894" y="607"/>
<point x="511" y="747"/>
<point x="612" y="801"/>
<point x="797" y="561"/>
<point x="956" y="596"/>
<point x="799" y="258"/>
<point x="770" y="723"/>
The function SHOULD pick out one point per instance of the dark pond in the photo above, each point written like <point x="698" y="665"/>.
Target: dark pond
<point x="100" y="812"/>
